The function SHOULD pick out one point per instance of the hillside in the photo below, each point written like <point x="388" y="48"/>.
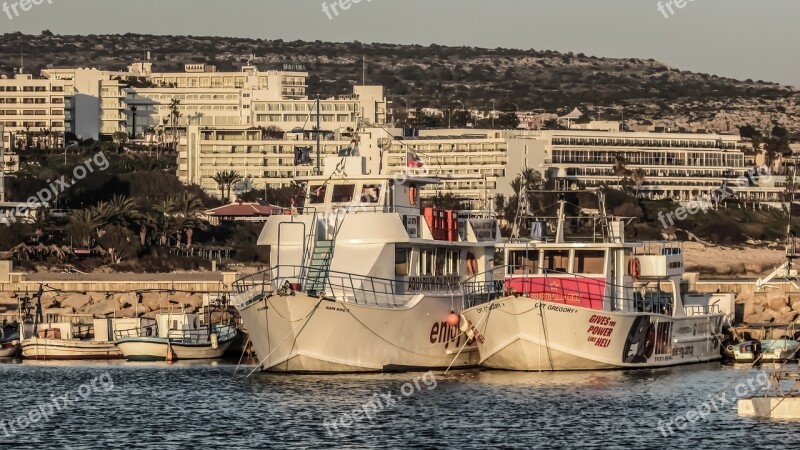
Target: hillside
<point x="437" y="76"/>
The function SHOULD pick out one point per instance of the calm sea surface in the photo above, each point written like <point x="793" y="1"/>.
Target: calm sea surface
<point x="203" y="406"/>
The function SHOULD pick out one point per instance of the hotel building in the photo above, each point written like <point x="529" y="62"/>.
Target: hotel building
<point x="261" y="160"/>
<point x="101" y="103"/>
<point x="470" y="162"/>
<point x="682" y="167"/>
<point x="32" y="111"/>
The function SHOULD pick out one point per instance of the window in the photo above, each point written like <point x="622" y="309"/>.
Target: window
<point x="343" y="193"/>
<point x="426" y="262"/>
<point x="556" y="261"/>
<point x="523" y="262"/>
<point x="370" y="193"/>
<point x="401" y="261"/>
<point x="317" y="194"/>
<point x="453" y="262"/>
<point x="590" y="262"/>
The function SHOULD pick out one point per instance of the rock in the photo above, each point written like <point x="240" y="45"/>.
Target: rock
<point x="777" y="303"/>
<point x="752" y="309"/>
<point x="154" y="300"/>
<point x="76" y="301"/>
<point x="744" y="296"/>
<point x="796" y="307"/>
<point x="132" y="311"/>
<point x="106" y="307"/>
<point x="195" y="301"/>
<point x="97" y="297"/>
<point x="58" y="311"/>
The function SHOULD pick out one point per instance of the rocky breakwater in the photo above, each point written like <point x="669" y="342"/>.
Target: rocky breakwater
<point x="770" y="307"/>
<point x="101" y="304"/>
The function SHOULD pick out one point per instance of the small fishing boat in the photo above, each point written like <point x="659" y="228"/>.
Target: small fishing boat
<point x="67" y="341"/>
<point x="765" y="350"/>
<point x="175" y="337"/>
<point x="9" y="342"/>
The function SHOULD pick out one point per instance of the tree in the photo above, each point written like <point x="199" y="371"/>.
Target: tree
<point x="82" y="226"/>
<point x="187" y="209"/>
<point x="174" y="115"/>
<point x="120" y="137"/>
<point x="42" y="224"/>
<point x="508" y="118"/>
<point x="225" y="180"/>
<point x="638" y="177"/>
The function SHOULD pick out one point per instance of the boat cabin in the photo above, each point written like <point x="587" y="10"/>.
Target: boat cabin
<point x="367" y="237"/>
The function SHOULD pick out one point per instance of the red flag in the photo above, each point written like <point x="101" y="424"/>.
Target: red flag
<point x="414" y="161"/>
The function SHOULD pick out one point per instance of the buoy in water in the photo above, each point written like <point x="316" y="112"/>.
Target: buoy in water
<point x="452" y="319"/>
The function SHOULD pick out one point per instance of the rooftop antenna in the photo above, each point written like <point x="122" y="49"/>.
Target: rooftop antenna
<point x="364" y="70"/>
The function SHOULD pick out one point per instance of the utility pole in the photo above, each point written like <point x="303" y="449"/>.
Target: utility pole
<point x="319" y="129"/>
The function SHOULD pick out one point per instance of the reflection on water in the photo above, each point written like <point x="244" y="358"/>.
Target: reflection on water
<point x="155" y="405"/>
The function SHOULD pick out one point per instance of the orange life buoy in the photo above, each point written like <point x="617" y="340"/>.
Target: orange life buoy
<point x="412" y="195"/>
<point x="635" y="268"/>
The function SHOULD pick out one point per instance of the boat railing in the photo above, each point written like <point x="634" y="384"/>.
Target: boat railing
<point x="148" y="331"/>
<point x="702" y="310"/>
<point x="340" y="286"/>
<point x="201" y="335"/>
<point x="559" y="287"/>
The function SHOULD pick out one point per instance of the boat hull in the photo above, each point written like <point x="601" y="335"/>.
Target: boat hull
<point x="519" y="333"/>
<point x="298" y="333"/>
<point x="9" y="349"/>
<point x="61" y="349"/>
<point x="156" y="349"/>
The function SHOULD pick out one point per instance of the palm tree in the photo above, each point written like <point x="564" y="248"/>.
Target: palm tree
<point x="638" y="177"/>
<point x="187" y="208"/>
<point x="164" y="220"/>
<point x="225" y="180"/>
<point x="125" y="209"/>
<point x="42" y="223"/>
<point x="82" y="225"/>
<point x="174" y="115"/>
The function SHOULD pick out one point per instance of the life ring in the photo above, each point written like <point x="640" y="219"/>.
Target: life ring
<point x="413" y="195"/>
<point x="472" y="265"/>
<point x="635" y="268"/>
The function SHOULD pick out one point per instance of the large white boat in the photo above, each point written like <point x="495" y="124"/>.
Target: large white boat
<point x="364" y="278"/>
<point x="178" y="336"/>
<point x="585" y="306"/>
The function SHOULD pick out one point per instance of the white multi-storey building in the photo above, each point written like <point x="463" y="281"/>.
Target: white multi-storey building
<point x="678" y="166"/>
<point x="32" y="111"/>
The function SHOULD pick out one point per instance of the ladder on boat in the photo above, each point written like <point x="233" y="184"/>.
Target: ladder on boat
<point x="319" y="267"/>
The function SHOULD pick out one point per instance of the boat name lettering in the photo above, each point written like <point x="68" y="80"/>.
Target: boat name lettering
<point x="434" y="283"/>
<point x="565" y="309"/>
<point x="333" y="308"/>
<point x="442" y="333"/>
<point x="683" y="351"/>
<point x="491" y="307"/>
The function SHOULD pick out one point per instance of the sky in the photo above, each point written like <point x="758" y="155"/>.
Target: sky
<point x="735" y="38"/>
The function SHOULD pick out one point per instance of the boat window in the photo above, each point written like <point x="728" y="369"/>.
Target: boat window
<point x="401" y="261"/>
<point x="317" y="194"/>
<point x="370" y="193"/>
<point x="426" y="262"/>
<point x="343" y="193"/>
<point x="523" y="262"/>
<point x="453" y="262"/>
<point x="441" y="261"/>
<point x="556" y="261"/>
<point x="590" y="261"/>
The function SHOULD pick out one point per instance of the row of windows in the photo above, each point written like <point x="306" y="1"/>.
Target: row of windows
<point x="31" y="89"/>
<point x="305" y="106"/>
<point x="33" y="124"/>
<point x="30" y="112"/>
<point x="648" y="158"/>
<point x="457" y="148"/>
<point x="641" y="142"/>
<point x="535" y="262"/>
<point x="303" y="118"/>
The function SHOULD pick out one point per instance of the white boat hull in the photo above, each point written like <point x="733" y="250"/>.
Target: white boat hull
<point x="298" y="333"/>
<point x="156" y="349"/>
<point x="62" y="349"/>
<point x="9" y="349"/>
<point x="519" y="333"/>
